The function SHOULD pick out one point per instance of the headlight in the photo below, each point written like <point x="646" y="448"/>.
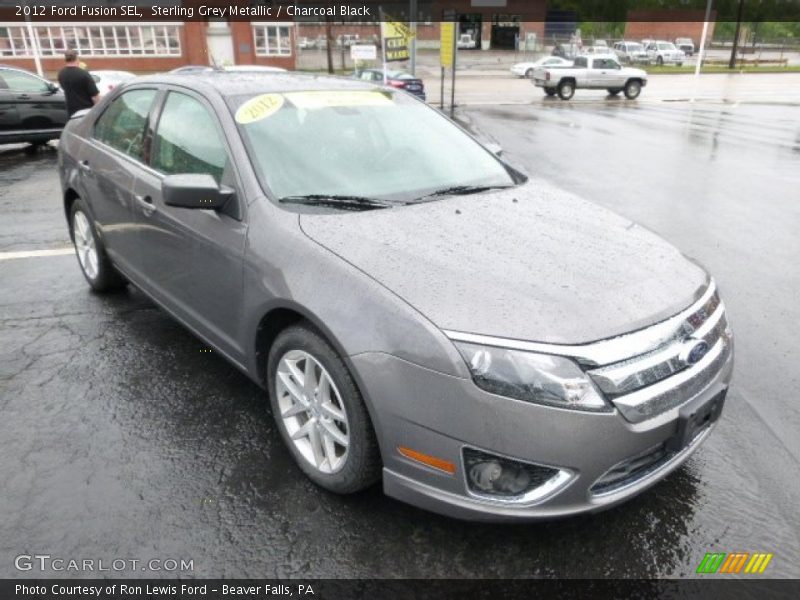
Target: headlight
<point x="540" y="378"/>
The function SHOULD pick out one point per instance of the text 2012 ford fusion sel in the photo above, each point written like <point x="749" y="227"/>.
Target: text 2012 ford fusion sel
<point x="417" y="309"/>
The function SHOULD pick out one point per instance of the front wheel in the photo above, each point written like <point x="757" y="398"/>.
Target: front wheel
<point x="550" y="91"/>
<point x="320" y="412"/>
<point x="659" y="61"/>
<point x="632" y="89"/>
<point x="92" y="257"/>
<point x="529" y="74"/>
<point x="566" y="90"/>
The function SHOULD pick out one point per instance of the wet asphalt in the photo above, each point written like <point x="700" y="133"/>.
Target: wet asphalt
<point x="122" y="437"/>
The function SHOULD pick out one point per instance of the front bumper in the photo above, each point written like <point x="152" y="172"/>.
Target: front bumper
<point x="440" y="415"/>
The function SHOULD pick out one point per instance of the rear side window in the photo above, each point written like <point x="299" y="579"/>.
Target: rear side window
<point x="580" y="62"/>
<point x="122" y="125"/>
<point x="187" y="139"/>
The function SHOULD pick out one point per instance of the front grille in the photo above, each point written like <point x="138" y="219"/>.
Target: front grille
<point x="662" y="378"/>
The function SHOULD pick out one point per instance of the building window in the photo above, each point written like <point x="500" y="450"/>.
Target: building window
<point x="272" y="40"/>
<point x="99" y="40"/>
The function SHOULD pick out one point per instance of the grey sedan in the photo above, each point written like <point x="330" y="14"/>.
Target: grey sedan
<point x="417" y="309"/>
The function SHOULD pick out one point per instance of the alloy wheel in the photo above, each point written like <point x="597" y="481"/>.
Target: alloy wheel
<point x="85" y="246"/>
<point x="312" y="411"/>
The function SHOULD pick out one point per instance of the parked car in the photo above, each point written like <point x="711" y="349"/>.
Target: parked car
<point x="664" y="53"/>
<point x="417" y="309"/>
<point x="631" y="53"/>
<point x="347" y="40"/>
<point x="196" y="70"/>
<point x="108" y="80"/>
<point x="599" y="51"/>
<point x="591" y="72"/>
<point x="686" y="45"/>
<point x="191" y="69"/>
<point x="304" y="43"/>
<point x="32" y="109"/>
<point x="466" y="42"/>
<point x="525" y="69"/>
<point x="397" y="79"/>
<point x="566" y="51"/>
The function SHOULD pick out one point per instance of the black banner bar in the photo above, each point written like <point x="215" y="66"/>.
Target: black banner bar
<point x="710" y="588"/>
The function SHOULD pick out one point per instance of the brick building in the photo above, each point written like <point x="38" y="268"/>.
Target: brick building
<point x="668" y="25"/>
<point x="143" y="47"/>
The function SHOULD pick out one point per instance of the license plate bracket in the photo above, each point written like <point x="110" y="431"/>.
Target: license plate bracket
<point x="694" y="417"/>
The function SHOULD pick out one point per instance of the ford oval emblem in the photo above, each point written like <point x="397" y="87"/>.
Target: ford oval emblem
<point x="693" y="351"/>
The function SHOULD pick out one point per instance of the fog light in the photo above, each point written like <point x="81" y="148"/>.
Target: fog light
<point x="492" y="475"/>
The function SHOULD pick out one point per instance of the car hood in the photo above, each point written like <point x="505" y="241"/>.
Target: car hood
<point x="532" y="263"/>
<point x="634" y="72"/>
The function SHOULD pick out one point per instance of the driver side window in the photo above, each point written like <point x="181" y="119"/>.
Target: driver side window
<point x="122" y="125"/>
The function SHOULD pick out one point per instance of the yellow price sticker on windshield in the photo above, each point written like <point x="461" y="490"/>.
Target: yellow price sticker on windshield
<point x="259" y="108"/>
<point x="330" y="99"/>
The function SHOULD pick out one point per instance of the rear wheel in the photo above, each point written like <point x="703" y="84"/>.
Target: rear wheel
<point x="529" y="74"/>
<point x="92" y="258"/>
<point x="614" y="91"/>
<point x="566" y="90"/>
<point x="320" y="412"/>
<point x="632" y="89"/>
<point x="550" y="91"/>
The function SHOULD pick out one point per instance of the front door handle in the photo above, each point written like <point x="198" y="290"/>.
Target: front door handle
<point x="23" y="97"/>
<point x="84" y="166"/>
<point x="146" y="204"/>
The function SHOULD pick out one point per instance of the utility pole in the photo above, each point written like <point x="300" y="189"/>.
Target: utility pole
<point x="329" y="43"/>
<point x="732" y="62"/>
<point x="412" y="22"/>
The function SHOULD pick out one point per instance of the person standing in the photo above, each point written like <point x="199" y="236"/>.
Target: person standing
<point x="79" y="88"/>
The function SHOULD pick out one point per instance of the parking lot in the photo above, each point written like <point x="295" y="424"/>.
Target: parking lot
<point x="124" y="437"/>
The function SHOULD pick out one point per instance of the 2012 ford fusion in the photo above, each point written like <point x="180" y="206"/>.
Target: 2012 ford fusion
<point x="418" y="310"/>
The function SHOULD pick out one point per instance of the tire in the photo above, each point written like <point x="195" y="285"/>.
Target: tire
<point x="550" y="91"/>
<point x="680" y="64"/>
<point x="659" y="61"/>
<point x="95" y="264"/>
<point x="632" y="89"/>
<point x="566" y="90"/>
<point x="352" y="467"/>
<point x="529" y="74"/>
<point x="614" y="91"/>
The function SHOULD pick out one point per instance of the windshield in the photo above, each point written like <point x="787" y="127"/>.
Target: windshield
<point x="367" y="143"/>
<point x="669" y="46"/>
<point x="634" y="47"/>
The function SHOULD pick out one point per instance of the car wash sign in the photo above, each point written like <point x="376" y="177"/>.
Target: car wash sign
<point x="396" y="38"/>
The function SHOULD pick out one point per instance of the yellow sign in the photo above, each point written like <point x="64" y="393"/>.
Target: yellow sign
<point x="447" y="44"/>
<point x="259" y="108"/>
<point x="396" y="37"/>
<point x="326" y="99"/>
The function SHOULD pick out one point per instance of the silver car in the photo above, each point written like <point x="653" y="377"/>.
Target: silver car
<point x="417" y="309"/>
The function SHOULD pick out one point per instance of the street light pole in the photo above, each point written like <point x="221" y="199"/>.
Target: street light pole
<point x="412" y="21"/>
<point x="34" y="42"/>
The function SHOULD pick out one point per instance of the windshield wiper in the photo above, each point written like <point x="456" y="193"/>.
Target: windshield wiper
<point x="462" y="190"/>
<point x="337" y="201"/>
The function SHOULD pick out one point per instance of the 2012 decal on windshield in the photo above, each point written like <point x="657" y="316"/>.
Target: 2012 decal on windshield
<point x="259" y="108"/>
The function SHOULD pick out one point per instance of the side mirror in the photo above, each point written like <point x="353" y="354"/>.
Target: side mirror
<point x="194" y="191"/>
<point x="495" y="149"/>
<point x="52" y="87"/>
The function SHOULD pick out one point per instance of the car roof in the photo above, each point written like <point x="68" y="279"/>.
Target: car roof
<point x="231" y="83"/>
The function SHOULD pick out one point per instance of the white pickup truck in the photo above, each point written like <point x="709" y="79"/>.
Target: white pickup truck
<point x="591" y="72"/>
